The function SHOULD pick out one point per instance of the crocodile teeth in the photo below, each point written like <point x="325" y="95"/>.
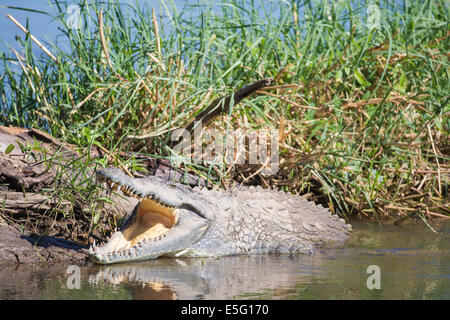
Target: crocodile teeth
<point x="93" y="248"/>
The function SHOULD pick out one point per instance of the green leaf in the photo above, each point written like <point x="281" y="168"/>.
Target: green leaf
<point x="402" y="83"/>
<point x="96" y="218"/>
<point x="360" y="78"/>
<point x="9" y="149"/>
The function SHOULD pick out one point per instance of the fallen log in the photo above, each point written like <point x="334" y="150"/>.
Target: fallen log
<point x="13" y="203"/>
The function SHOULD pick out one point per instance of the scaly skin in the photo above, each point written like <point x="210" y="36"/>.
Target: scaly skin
<point x="244" y="220"/>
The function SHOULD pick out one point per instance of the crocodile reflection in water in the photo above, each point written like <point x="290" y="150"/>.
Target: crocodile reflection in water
<point x="224" y="278"/>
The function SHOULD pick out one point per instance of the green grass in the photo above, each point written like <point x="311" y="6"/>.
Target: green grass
<point x="363" y="114"/>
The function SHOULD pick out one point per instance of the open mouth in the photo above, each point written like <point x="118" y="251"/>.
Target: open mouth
<point x="151" y="222"/>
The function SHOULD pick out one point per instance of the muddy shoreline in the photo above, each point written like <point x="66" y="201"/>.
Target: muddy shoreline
<point x="30" y="248"/>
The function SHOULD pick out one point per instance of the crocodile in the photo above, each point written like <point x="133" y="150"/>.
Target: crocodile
<point x="172" y="219"/>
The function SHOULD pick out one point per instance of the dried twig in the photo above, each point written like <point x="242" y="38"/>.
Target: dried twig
<point x="102" y="38"/>
<point x="40" y="45"/>
<point x="155" y="27"/>
<point x="436" y="157"/>
<point x="295" y="104"/>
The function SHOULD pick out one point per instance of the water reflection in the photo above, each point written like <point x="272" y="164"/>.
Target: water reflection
<point x="414" y="264"/>
<point x="222" y="278"/>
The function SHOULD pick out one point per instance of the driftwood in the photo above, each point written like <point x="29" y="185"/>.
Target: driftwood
<point x="28" y="164"/>
<point x="17" y="202"/>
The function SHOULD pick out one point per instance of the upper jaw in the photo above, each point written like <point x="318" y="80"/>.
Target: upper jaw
<point x="166" y="192"/>
<point x="140" y="188"/>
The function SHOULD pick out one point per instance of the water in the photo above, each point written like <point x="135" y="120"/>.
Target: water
<point x="414" y="263"/>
